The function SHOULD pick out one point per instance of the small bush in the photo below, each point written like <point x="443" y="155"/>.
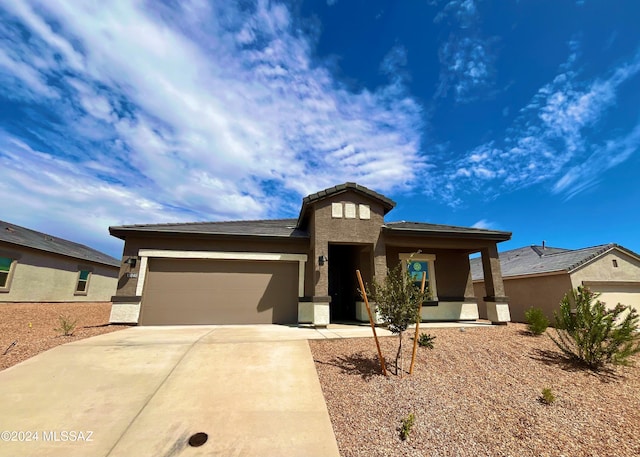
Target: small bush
<point x="407" y="423"/>
<point x="537" y="322"/>
<point x="426" y="340"/>
<point x="547" y="396"/>
<point x="67" y="326"/>
<point x="588" y="332"/>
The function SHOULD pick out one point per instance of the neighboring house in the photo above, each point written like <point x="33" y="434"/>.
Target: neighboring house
<point x="300" y="270"/>
<point x="539" y="276"/>
<point x="36" y="267"/>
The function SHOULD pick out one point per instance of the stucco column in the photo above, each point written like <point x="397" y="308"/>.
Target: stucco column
<point x="321" y="276"/>
<point x="497" y="302"/>
<point x="380" y="260"/>
<point x="315" y="309"/>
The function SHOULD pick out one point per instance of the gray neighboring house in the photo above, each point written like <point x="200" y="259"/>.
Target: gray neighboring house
<point x="540" y="276"/>
<point x="299" y="271"/>
<point x="36" y="267"/>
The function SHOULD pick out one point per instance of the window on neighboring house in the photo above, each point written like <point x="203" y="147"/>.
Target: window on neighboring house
<point x="615" y="263"/>
<point x="82" y="286"/>
<point x="6" y="267"/>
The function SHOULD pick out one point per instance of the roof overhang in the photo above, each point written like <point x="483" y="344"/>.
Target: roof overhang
<point x="443" y="233"/>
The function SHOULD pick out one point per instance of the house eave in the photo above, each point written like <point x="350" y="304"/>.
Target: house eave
<point x="123" y="233"/>
<point x="493" y="236"/>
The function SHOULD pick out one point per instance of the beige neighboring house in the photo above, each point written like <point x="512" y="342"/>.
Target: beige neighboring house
<point x="539" y="276"/>
<point x="299" y="271"/>
<point x="36" y="267"/>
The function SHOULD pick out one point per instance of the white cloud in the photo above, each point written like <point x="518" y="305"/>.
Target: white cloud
<point x="552" y="133"/>
<point x="207" y="106"/>
<point x="484" y="224"/>
<point x="466" y="59"/>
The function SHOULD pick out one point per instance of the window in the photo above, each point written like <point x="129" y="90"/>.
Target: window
<point x="615" y="263"/>
<point x="6" y="268"/>
<point x="416" y="269"/>
<point x="82" y="286"/>
<point x="416" y="264"/>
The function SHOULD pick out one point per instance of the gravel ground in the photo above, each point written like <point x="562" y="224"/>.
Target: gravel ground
<point x="477" y="394"/>
<point x="93" y="319"/>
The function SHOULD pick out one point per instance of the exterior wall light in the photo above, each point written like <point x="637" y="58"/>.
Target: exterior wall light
<point x="131" y="261"/>
<point x="322" y="259"/>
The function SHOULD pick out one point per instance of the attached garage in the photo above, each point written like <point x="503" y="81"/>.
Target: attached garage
<point x="179" y="291"/>
<point x="612" y="293"/>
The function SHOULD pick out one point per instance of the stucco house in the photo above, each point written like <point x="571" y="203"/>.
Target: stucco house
<point x="539" y="276"/>
<point x="36" y="267"/>
<point x="298" y="271"/>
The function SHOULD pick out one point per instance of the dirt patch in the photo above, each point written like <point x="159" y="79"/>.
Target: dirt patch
<point x="477" y="393"/>
<point x="31" y="326"/>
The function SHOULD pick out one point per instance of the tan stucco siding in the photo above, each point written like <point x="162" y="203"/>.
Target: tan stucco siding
<point x="43" y="277"/>
<point x="602" y="269"/>
<point x="328" y="229"/>
<point x="544" y="292"/>
<point x="615" y="285"/>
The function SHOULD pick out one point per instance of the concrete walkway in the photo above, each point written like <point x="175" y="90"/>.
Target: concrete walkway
<point x="145" y="391"/>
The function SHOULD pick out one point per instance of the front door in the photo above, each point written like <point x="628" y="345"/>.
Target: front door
<point x="344" y="260"/>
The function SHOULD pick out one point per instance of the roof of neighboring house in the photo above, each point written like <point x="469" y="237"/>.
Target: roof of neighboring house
<point x="21" y="236"/>
<point x="283" y="228"/>
<point x="422" y="228"/>
<point x="537" y="259"/>
<point x="386" y="202"/>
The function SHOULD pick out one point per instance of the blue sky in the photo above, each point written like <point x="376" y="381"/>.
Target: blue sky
<point x="512" y="115"/>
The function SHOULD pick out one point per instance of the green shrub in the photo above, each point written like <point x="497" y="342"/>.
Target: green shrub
<point x="588" y="332"/>
<point x="426" y="340"/>
<point x="547" y="396"/>
<point x="537" y="322"/>
<point x="407" y="423"/>
<point x="67" y="326"/>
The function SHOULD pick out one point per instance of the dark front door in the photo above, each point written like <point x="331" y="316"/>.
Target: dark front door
<point x="344" y="260"/>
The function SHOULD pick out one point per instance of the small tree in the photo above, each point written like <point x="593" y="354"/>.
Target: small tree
<point x="537" y="322"/>
<point x="588" y="332"/>
<point x="398" y="301"/>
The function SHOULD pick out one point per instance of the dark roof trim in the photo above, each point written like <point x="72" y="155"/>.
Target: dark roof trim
<point x="444" y="231"/>
<point x="605" y="248"/>
<point x="386" y="202"/>
<point x="269" y="228"/>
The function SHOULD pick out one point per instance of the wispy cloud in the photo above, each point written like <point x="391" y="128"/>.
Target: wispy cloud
<point x="485" y="224"/>
<point x="552" y="133"/>
<point x="466" y="58"/>
<point x="211" y="106"/>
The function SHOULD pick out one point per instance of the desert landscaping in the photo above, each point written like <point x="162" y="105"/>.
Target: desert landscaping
<point x="477" y="392"/>
<point x="32" y="326"/>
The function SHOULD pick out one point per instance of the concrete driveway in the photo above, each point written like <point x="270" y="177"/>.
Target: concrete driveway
<point x="145" y="391"/>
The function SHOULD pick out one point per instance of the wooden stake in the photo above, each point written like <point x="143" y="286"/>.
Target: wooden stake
<point x="415" y="338"/>
<point x="373" y="326"/>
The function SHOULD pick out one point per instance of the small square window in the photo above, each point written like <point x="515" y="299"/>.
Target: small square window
<point x="336" y="210"/>
<point x="364" y="211"/>
<point x="83" y="282"/>
<point x="615" y="263"/>
<point x="350" y="210"/>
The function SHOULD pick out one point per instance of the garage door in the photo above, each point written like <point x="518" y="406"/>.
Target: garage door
<point x="613" y="294"/>
<point x="201" y="291"/>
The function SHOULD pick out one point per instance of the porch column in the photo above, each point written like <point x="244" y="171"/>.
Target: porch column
<point x="497" y="302"/>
